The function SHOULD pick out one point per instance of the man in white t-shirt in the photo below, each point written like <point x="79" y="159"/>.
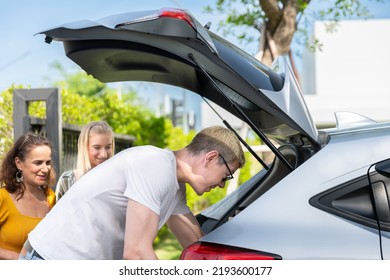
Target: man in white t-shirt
<point x="115" y="210"/>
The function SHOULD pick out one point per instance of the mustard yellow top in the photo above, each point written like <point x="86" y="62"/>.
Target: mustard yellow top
<point x="14" y="227"/>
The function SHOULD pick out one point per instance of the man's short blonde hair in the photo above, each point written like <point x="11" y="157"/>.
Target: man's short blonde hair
<point x="221" y="139"/>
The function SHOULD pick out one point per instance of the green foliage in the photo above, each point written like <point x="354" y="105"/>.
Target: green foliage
<point x="6" y="121"/>
<point x="246" y="171"/>
<point x="177" y="139"/>
<point x="84" y="85"/>
<point x="240" y="18"/>
<point x="167" y="247"/>
<point x="345" y="9"/>
<point x="86" y="99"/>
<point x="76" y="109"/>
<point x="199" y="203"/>
<point x="78" y="82"/>
<point x="37" y="109"/>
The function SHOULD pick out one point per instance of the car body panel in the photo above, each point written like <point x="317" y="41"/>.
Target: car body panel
<point x="282" y="235"/>
<point x="385" y="240"/>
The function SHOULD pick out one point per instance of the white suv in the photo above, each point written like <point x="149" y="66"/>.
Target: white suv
<point x="326" y="194"/>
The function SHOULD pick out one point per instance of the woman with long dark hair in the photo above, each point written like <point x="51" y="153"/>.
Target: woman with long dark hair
<point x="26" y="177"/>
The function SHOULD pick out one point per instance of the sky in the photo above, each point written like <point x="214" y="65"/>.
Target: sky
<point x="24" y="57"/>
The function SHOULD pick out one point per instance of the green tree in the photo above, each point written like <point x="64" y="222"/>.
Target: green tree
<point x="85" y="99"/>
<point x="276" y="21"/>
<point x="78" y="82"/>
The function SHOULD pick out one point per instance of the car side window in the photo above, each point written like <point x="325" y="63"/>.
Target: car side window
<point x="351" y="200"/>
<point x="364" y="200"/>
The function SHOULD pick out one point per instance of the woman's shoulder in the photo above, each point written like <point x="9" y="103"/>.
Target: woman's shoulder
<point x="4" y="196"/>
<point x="3" y="192"/>
<point x="67" y="176"/>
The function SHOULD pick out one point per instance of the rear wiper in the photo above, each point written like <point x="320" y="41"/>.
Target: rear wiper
<point x="250" y="123"/>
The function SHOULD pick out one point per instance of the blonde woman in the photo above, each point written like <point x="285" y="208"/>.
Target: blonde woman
<point x="95" y="145"/>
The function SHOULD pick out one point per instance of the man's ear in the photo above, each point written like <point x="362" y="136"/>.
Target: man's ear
<point x="210" y="156"/>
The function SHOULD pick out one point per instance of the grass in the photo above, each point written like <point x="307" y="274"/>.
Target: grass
<point x="168" y="248"/>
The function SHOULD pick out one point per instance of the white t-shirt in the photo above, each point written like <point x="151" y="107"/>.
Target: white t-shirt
<point x="88" y="222"/>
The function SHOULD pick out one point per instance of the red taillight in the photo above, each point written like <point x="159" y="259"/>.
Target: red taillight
<point x="178" y="14"/>
<point x="162" y="13"/>
<point x="211" y="251"/>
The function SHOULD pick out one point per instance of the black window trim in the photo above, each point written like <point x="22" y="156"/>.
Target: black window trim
<point x="324" y="202"/>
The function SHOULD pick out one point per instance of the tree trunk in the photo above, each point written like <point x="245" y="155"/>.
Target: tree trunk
<point x="278" y="31"/>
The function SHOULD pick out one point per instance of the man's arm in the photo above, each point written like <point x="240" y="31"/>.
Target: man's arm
<point x="186" y="228"/>
<point x="141" y="230"/>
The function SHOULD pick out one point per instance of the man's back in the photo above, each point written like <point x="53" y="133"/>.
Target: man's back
<point x="89" y="220"/>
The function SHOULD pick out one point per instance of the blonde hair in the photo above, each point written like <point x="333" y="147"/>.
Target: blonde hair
<point x="220" y="139"/>
<point x="98" y="127"/>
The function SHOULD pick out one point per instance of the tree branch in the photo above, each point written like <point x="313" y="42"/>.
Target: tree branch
<point x="272" y="12"/>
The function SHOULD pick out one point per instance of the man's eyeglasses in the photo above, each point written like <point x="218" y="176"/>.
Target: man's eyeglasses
<point x="230" y="176"/>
